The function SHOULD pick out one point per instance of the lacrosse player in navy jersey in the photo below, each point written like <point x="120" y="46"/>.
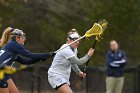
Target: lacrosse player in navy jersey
<point x="12" y="49"/>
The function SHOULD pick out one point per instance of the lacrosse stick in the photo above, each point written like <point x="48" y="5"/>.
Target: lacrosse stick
<point x="11" y="70"/>
<point x="96" y="30"/>
<point x="103" y="23"/>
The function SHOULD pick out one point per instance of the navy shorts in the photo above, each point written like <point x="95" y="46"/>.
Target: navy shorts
<point x="3" y="82"/>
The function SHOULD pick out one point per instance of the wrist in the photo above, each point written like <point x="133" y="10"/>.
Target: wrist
<point x="88" y="56"/>
<point x="78" y="72"/>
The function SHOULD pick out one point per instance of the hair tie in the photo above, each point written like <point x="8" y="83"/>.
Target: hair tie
<point x="12" y="29"/>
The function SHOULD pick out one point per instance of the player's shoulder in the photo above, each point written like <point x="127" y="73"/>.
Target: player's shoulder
<point x="14" y="45"/>
<point x="9" y="45"/>
<point x="65" y="49"/>
<point x="65" y="46"/>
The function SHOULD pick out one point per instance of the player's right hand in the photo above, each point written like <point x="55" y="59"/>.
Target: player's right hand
<point x="91" y="52"/>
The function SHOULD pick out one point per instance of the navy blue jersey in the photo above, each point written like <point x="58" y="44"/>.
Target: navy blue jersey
<point x="14" y="51"/>
<point x="115" y="62"/>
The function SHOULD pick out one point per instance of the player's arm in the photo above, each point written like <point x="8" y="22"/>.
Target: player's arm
<point x="26" y="61"/>
<point x="19" y="49"/>
<point x="76" y="60"/>
<point x="76" y="68"/>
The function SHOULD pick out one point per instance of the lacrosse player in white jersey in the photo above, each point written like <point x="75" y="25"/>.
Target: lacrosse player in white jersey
<point x="64" y="60"/>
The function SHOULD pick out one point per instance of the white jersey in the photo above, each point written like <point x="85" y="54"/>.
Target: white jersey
<point x="61" y="65"/>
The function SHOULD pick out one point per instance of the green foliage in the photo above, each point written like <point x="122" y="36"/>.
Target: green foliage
<point x="46" y="23"/>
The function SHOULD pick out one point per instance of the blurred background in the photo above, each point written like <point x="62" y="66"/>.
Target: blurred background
<point x="46" y="23"/>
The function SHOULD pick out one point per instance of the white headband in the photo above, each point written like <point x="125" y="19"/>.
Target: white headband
<point x="74" y="35"/>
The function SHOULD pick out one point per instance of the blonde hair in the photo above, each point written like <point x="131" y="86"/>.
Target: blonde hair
<point x="5" y="36"/>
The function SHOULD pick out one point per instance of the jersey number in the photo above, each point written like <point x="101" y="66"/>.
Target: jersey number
<point x="1" y="52"/>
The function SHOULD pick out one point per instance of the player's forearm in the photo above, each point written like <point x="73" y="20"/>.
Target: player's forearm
<point x="75" y="60"/>
<point x="26" y="61"/>
<point x="76" y="68"/>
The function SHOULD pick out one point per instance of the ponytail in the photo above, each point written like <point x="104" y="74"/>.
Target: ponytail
<point x="5" y="36"/>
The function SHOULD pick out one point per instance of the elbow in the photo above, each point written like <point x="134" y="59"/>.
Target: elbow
<point x="80" y="62"/>
<point x="77" y="62"/>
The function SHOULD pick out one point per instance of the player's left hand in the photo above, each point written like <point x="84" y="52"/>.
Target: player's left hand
<point x="82" y="74"/>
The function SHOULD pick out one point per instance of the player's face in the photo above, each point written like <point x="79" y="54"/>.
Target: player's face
<point x="113" y="45"/>
<point x="74" y="45"/>
<point x="21" y="39"/>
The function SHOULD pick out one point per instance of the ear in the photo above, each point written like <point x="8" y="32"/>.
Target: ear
<point x="68" y="39"/>
<point x="17" y="37"/>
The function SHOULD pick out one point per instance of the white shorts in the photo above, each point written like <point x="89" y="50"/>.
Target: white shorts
<point x="57" y="80"/>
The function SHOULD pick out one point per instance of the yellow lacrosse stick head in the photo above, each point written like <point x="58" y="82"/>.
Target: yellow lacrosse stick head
<point x="103" y="23"/>
<point x="6" y="70"/>
<point x="22" y="67"/>
<point x="95" y="30"/>
<point x="9" y="70"/>
<point x="1" y="74"/>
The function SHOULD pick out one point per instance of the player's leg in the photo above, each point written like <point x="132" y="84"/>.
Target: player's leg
<point x="59" y="83"/>
<point x="4" y="86"/>
<point x="110" y="84"/>
<point x="4" y="90"/>
<point x="119" y="85"/>
<point x="64" y="89"/>
<point x="12" y="87"/>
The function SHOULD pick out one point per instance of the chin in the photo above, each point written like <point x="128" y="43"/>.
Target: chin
<point x="22" y="43"/>
<point x="76" y="47"/>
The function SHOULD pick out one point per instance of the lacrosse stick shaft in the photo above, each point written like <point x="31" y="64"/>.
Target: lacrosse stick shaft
<point x="84" y="71"/>
<point x="70" y="44"/>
